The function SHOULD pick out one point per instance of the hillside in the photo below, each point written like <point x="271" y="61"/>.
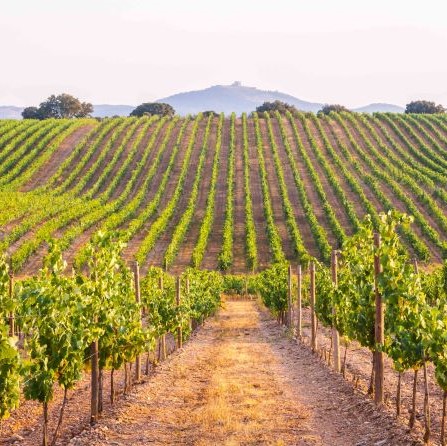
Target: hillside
<point x="107" y="110"/>
<point x="380" y="108"/>
<point x="10" y="112"/>
<point x="174" y="185"/>
<point x="242" y="99"/>
<point x="231" y="98"/>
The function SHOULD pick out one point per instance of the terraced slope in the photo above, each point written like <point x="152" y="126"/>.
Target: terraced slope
<point x="233" y="193"/>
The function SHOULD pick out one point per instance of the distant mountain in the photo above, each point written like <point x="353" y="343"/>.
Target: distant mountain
<point x="220" y="98"/>
<point x="231" y="98"/>
<point x="104" y="110"/>
<point x="239" y="98"/>
<point x="101" y="111"/>
<point x="10" y="112"/>
<point x="384" y="108"/>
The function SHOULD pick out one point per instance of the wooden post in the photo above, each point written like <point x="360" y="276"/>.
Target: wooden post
<point x="289" y="299"/>
<point x="312" y="308"/>
<point x="416" y="266"/>
<point x="335" y="335"/>
<point x="138" y="300"/>
<point x="11" y="288"/>
<point x="179" y="328"/>
<point x="300" y="303"/>
<point x="426" y="389"/>
<point x="187" y="294"/>
<point x="163" y="336"/>
<point x="94" y="383"/>
<point x="379" y="329"/>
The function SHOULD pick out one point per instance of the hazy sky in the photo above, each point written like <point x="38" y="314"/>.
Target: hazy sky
<point x="131" y="51"/>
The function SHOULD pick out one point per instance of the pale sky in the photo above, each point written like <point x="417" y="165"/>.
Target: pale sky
<point x="350" y="52"/>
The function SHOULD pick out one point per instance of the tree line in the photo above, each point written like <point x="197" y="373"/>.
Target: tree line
<point x="65" y="106"/>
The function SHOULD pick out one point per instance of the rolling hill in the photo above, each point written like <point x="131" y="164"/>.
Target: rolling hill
<point x="231" y="98"/>
<point x="10" y="112"/>
<point x="380" y="108"/>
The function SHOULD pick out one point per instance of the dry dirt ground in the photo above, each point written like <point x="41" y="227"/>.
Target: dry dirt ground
<point x="242" y="380"/>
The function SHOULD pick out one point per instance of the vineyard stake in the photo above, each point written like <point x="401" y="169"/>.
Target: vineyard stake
<point x="426" y="390"/>
<point x="413" y="401"/>
<point x="94" y="383"/>
<point x="45" y="424"/>
<point x="378" y="329"/>
<point x="187" y="294"/>
<point x="162" y="346"/>
<point x="335" y="335"/>
<point x="178" y="300"/>
<point x="100" y="389"/>
<point x="289" y="299"/>
<point x="312" y="307"/>
<point x="444" y="407"/>
<point x="138" y="300"/>
<point x="299" y="315"/>
<point x="11" y="287"/>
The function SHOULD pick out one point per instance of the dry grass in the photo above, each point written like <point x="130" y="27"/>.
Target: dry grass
<point x="242" y="403"/>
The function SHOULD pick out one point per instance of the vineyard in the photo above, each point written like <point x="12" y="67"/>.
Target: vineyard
<point x="234" y="194"/>
<point x="112" y="234"/>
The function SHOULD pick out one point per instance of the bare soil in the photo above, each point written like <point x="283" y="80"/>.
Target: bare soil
<point x="216" y="236"/>
<point x="184" y="256"/>
<point x="399" y="204"/>
<point x="134" y="133"/>
<point x="106" y="160"/>
<point x="300" y="216"/>
<point x="312" y="193"/>
<point x="80" y="241"/>
<point x="358" y="372"/>
<point x="239" y="241"/>
<point x="135" y="242"/>
<point x="50" y="167"/>
<point x="275" y="194"/>
<point x="336" y="204"/>
<point x="156" y="255"/>
<point x="415" y="164"/>
<point x="262" y="242"/>
<point x="331" y="131"/>
<point x="150" y="159"/>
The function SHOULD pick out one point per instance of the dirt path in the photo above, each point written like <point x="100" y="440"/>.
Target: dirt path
<point x="242" y="381"/>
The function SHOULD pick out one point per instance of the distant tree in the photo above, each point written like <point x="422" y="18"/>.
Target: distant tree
<point x="279" y="106"/>
<point x="61" y="106"/>
<point x="153" y="108"/>
<point x="31" y="113"/>
<point x="210" y="113"/>
<point x="424" y="107"/>
<point x="328" y="108"/>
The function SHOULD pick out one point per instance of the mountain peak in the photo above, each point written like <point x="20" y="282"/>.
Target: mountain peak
<point x="235" y="97"/>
